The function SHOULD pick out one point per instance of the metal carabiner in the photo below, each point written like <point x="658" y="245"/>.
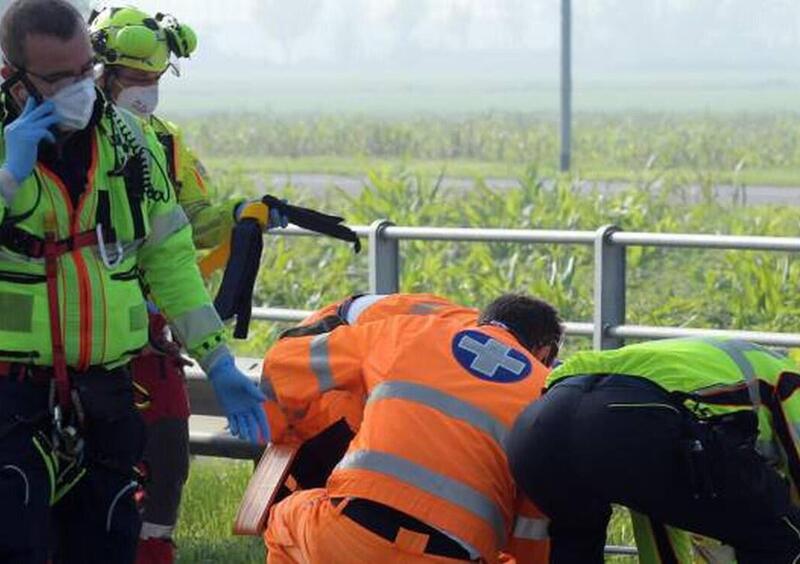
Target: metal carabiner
<point x="101" y="247"/>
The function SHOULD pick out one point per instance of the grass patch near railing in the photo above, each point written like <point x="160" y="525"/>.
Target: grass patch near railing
<point x="209" y="505"/>
<point x="212" y="496"/>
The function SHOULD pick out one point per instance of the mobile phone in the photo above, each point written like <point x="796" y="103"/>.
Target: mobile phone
<point x="19" y="77"/>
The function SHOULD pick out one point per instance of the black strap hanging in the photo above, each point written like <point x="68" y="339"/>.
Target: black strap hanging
<point x="235" y="295"/>
<point x="313" y="220"/>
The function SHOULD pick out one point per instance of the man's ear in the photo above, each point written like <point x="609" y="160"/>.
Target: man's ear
<point x="542" y="354"/>
<point x="6" y="71"/>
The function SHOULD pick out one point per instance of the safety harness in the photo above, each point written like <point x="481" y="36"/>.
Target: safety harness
<point x="62" y="448"/>
<point x="134" y="170"/>
<point x="62" y="451"/>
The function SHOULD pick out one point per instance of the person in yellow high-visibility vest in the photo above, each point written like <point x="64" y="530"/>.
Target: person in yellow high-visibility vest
<point x="698" y="434"/>
<point x="137" y="49"/>
<point x="86" y="212"/>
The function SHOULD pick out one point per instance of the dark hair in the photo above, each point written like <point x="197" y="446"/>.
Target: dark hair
<point x="534" y="322"/>
<point x="57" y="18"/>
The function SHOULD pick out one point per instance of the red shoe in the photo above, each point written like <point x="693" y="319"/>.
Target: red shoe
<point x="155" y="551"/>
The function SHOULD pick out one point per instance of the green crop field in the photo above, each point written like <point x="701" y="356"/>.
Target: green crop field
<point x="436" y="91"/>
<point x="741" y="148"/>
<point x="403" y="157"/>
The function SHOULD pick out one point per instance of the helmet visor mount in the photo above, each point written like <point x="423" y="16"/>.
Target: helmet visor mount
<point x="174" y="65"/>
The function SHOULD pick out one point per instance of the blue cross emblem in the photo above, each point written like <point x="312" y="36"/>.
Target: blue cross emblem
<point x="489" y="359"/>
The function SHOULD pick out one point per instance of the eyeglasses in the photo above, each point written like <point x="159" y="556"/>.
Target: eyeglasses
<point x="555" y="347"/>
<point x="58" y="80"/>
<point x="136" y="78"/>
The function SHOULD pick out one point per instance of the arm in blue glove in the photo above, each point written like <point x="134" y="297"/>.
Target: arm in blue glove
<point x="241" y="400"/>
<point x="22" y="137"/>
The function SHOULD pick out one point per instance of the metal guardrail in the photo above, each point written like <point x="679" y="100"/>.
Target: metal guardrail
<point x="607" y="328"/>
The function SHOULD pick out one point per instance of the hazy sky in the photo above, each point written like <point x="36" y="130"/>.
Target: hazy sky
<point x="389" y="56"/>
<point x="638" y="34"/>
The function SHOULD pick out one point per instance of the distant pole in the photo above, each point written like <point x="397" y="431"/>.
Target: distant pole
<point x="566" y="84"/>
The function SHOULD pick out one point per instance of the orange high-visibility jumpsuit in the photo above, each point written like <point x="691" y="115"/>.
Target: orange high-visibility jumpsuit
<point x="440" y="397"/>
<point x="358" y="310"/>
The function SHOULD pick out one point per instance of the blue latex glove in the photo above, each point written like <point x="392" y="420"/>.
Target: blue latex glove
<point x="241" y="400"/>
<point x="22" y="137"/>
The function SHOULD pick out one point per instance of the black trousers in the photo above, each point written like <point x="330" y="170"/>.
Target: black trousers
<point x="97" y="520"/>
<point x="591" y="441"/>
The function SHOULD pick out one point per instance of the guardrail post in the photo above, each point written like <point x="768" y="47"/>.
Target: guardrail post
<point x="609" y="288"/>
<point x="384" y="260"/>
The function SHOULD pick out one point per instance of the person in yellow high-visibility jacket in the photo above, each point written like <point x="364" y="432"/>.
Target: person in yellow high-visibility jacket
<point x="85" y="214"/>
<point x="136" y="49"/>
<point x="697" y="433"/>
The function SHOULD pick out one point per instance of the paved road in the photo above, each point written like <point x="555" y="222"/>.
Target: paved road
<point x="318" y="184"/>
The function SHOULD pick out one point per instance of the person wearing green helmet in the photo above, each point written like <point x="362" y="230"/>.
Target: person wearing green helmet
<point x="137" y="49"/>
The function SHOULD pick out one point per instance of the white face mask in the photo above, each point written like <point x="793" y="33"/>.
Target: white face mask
<point x="141" y="100"/>
<point x="75" y="105"/>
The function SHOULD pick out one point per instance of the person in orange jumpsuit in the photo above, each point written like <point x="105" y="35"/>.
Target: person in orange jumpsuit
<point x="425" y="478"/>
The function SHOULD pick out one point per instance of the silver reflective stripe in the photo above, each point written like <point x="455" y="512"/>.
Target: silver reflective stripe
<point x="359" y="305"/>
<point x="428" y="308"/>
<point x="444" y="403"/>
<point x="155" y="531"/>
<point x="436" y="484"/>
<point x="735" y="350"/>
<point x="321" y="362"/>
<point x="130" y="249"/>
<point x="196" y="325"/>
<point x="162" y="226"/>
<point x="530" y="528"/>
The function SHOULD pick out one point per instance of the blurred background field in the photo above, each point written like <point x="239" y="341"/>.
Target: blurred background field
<point x="747" y="148"/>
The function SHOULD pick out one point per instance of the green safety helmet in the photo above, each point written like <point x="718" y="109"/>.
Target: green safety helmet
<point x="128" y="37"/>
